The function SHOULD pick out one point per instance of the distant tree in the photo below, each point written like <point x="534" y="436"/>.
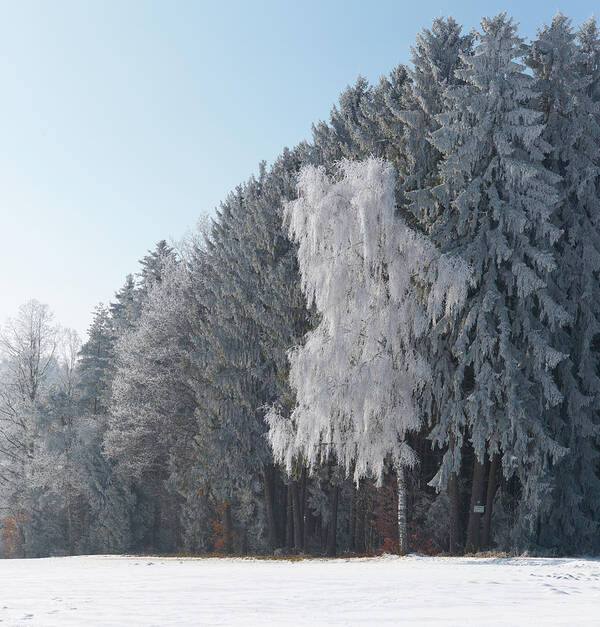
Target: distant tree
<point x="28" y="345"/>
<point x="151" y="423"/>
<point x="94" y="364"/>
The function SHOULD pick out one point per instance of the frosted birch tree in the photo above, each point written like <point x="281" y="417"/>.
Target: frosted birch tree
<point x="377" y="286"/>
<point x="28" y="348"/>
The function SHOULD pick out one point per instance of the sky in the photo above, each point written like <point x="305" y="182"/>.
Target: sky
<point x="123" y="121"/>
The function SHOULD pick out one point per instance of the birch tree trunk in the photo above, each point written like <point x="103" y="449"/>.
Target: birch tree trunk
<point x="402" y="507"/>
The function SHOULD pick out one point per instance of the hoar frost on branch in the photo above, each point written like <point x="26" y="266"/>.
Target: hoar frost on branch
<point x="378" y="287"/>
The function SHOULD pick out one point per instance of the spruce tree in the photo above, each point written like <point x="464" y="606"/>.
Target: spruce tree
<point x="566" y="82"/>
<point x="93" y="366"/>
<point x="436" y="56"/>
<point x="494" y="377"/>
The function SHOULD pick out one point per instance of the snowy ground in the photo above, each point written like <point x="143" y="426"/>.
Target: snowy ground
<point x="410" y="590"/>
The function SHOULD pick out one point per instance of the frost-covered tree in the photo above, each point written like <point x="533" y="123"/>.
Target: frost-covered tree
<point x="229" y="356"/>
<point x="589" y="46"/>
<point x="254" y="313"/>
<point x="94" y="363"/>
<point x="435" y="57"/>
<point x="151" y="426"/>
<point x="28" y="345"/>
<point x="278" y="310"/>
<point x="494" y="365"/>
<point x="137" y="423"/>
<point x="567" y="86"/>
<point x="57" y="479"/>
<point x="359" y="372"/>
<point x="353" y="131"/>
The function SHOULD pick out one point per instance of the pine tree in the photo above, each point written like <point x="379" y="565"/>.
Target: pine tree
<point x="437" y="55"/>
<point x="494" y="369"/>
<point x="93" y="366"/>
<point x="135" y="437"/>
<point x="566" y="84"/>
<point x="152" y="406"/>
<point x="254" y="313"/>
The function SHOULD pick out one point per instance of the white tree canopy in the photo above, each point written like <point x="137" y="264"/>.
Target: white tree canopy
<point x="378" y="286"/>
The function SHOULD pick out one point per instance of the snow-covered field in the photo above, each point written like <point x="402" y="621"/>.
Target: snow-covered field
<point x="411" y="590"/>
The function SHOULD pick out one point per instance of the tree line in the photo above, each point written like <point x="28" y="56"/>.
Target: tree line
<point x="385" y="341"/>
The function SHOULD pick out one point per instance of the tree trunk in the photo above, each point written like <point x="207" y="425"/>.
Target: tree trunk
<point x="303" y="495"/>
<point x="227" y="529"/>
<point x="309" y="518"/>
<point x="332" y="527"/>
<point x="289" y="520"/>
<point x="297" y="511"/>
<point x="309" y="525"/>
<point x="157" y="526"/>
<point x="402" y="507"/>
<point x="269" y="480"/>
<point x="244" y="547"/>
<point x="359" y="533"/>
<point x="473" y="529"/>
<point x="303" y="491"/>
<point x="352" y="518"/>
<point x="454" y="507"/>
<point x="69" y="520"/>
<point x="492" y="486"/>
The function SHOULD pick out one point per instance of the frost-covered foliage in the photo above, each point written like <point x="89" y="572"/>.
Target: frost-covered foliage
<point x="495" y="373"/>
<point x="150" y="395"/>
<point x="29" y="349"/>
<point x="419" y="283"/>
<point x="152" y="405"/>
<point x="253" y="311"/>
<point x="377" y="285"/>
<point x="567" y="84"/>
<point x="436" y="56"/>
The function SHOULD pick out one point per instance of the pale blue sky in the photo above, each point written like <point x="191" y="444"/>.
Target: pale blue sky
<point x="122" y="121"/>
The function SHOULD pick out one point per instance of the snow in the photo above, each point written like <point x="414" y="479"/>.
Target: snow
<point x="114" y="590"/>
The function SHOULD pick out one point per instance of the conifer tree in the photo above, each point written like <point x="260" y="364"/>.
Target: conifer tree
<point x="494" y="374"/>
<point x="93" y="366"/>
<point x="437" y="54"/>
<point x="566" y="82"/>
<point x="254" y="313"/>
<point x="134" y="440"/>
